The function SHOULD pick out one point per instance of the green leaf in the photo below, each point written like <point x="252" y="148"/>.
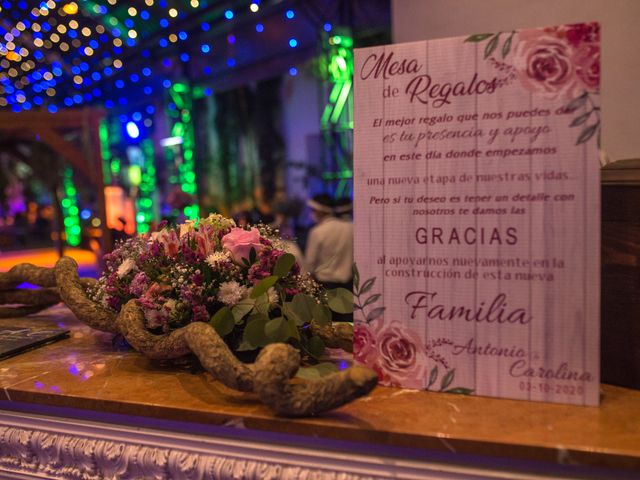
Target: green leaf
<point x="372" y="299"/>
<point x="254" y="333"/>
<point x="356" y="278"/>
<point x="241" y="308"/>
<point x="433" y="376"/>
<point x="375" y="313"/>
<point x="368" y="285"/>
<point x="491" y="46"/>
<point x="253" y="255"/>
<point x="340" y="300"/>
<point x="283" y="265"/>
<point x="245" y="347"/>
<point x="263" y="285"/>
<point x="293" y="329"/>
<point x="506" y="47"/>
<point x="315" y="372"/>
<point x="302" y="305"/>
<point x="460" y="390"/>
<point x="478" y="37"/>
<point x="579" y="120"/>
<point x="447" y="379"/>
<point x="587" y="133"/>
<point x="290" y="312"/>
<point x="277" y="330"/>
<point x="577" y="102"/>
<point x="315" y="347"/>
<point x="262" y="304"/>
<point x="321" y="314"/>
<point x="223" y="321"/>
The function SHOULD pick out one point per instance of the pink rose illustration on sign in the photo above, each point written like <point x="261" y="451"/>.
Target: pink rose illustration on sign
<point x="364" y="344"/>
<point x="557" y="63"/>
<point x="587" y="62"/>
<point x="239" y="242"/>
<point x="401" y="356"/>
<point x="544" y="64"/>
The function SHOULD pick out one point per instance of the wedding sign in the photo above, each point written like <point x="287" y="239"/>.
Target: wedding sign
<point x="477" y="214"/>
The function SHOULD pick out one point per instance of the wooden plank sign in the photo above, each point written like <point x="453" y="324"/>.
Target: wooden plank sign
<point x="477" y="213"/>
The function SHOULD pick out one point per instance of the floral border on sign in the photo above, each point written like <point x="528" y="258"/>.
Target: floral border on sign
<point x="398" y="355"/>
<point x="561" y="62"/>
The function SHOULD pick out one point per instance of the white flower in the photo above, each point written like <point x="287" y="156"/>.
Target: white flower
<point x="216" y="257"/>
<point x="231" y="293"/>
<point x="125" y="267"/>
<point x="272" y="294"/>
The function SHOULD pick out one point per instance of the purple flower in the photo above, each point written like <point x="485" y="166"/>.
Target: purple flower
<point x="114" y="303"/>
<point x="200" y="313"/>
<point x="197" y="278"/>
<point x="139" y="284"/>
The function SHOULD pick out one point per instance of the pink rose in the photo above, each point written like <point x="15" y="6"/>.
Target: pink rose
<point x="364" y="344"/>
<point x="544" y="63"/>
<point x="402" y="357"/>
<point x="587" y="62"/>
<point x="239" y="242"/>
<point x="581" y="33"/>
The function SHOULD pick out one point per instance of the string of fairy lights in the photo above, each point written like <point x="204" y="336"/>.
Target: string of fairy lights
<point x="120" y="54"/>
<point x="64" y="53"/>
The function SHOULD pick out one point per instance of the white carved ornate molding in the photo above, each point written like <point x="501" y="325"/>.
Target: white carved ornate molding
<point x="36" y="446"/>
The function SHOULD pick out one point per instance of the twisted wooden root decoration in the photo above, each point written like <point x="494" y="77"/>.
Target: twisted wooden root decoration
<point x="270" y="377"/>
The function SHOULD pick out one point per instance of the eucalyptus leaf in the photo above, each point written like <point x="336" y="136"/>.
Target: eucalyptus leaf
<point x="290" y="312"/>
<point x="315" y="372"/>
<point x="245" y="347"/>
<point x="293" y="329"/>
<point x="340" y="300"/>
<point x="579" y="120"/>
<point x="321" y="314"/>
<point x="263" y="286"/>
<point x="277" y="330"/>
<point x="433" y="376"/>
<point x="478" y="37"/>
<point x="587" y="133"/>
<point x="241" y="308"/>
<point x="254" y="333"/>
<point x="447" y="379"/>
<point x="375" y="313"/>
<point x="460" y="391"/>
<point x="371" y="299"/>
<point x="506" y="47"/>
<point x="223" y="321"/>
<point x="577" y="102"/>
<point x="367" y="285"/>
<point x="491" y="46"/>
<point x="262" y="304"/>
<point x="315" y="347"/>
<point x="302" y="305"/>
<point x="284" y="264"/>
<point x="356" y="278"/>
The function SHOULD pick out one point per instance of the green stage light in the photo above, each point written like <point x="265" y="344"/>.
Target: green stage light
<point x="70" y="209"/>
<point x="181" y="96"/>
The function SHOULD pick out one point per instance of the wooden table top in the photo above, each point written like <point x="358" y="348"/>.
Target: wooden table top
<point x="87" y="372"/>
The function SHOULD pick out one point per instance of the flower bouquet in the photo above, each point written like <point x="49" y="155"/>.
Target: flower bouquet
<point x="241" y="281"/>
<point x="228" y="295"/>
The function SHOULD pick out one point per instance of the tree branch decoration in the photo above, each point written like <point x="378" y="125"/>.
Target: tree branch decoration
<point x="218" y="292"/>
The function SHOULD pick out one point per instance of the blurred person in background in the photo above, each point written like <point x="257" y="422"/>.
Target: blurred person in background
<point x="329" y="252"/>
